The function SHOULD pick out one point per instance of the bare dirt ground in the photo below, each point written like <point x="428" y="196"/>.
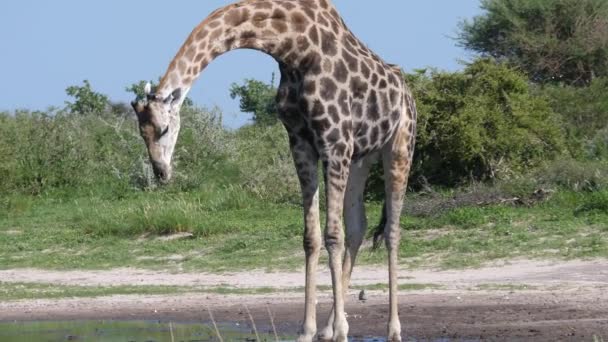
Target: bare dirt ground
<point x="519" y="301"/>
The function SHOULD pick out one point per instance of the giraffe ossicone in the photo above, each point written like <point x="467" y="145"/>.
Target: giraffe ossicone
<point x="341" y="105"/>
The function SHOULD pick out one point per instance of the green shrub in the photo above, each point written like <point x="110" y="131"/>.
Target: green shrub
<point x="104" y="154"/>
<point x="584" y="112"/>
<point x="574" y="175"/>
<point x="265" y="163"/>
<point x="595" y="203"/>
<point x="482" y="123"/>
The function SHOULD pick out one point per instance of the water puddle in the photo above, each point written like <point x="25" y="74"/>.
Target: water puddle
<point x="133" y="331"/>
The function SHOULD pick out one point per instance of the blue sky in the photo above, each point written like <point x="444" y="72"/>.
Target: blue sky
<point x="50" y="45"/>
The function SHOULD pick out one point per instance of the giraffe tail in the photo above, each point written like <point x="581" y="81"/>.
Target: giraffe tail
<point x="379" y="230"/>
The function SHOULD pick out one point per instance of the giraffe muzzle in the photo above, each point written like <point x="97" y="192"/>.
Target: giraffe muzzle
<point x="162" y="172"/>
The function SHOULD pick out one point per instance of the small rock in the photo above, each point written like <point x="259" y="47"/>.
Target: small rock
<point x="362" y="296"/>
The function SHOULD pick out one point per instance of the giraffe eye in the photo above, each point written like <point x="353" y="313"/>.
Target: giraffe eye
<point x="164" y="132"/>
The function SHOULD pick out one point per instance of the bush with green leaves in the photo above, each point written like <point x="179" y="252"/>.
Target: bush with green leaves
<point x="104" y="153"/>
<point x="480" y="124"/>
<point x="265" y="163"/>
<point x="86" y="100"/>
<point x="258" y="98"/>
<point x="584" y="112"/>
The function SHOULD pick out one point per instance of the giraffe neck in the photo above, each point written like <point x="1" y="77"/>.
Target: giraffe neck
<point x="285" y="30"/>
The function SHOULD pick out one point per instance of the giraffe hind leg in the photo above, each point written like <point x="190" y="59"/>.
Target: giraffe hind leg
<point x="397" y="161"/>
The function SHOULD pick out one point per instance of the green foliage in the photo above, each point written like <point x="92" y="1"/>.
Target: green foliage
<point x="87" y="101"/>
<point x="584" y="112"/>
<point x="481" y="123"/>
<point x="258" y="98"/>
<point x="266" y="164"/>
<point x="551" y="40"/>
<point x="104" y="154"/>
<point x="574" y="175"/>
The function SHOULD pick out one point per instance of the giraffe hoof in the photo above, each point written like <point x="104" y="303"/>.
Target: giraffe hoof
<point x="305" y="337"/>
<point x="394" y="335"/>
<point x="326" y="334"/>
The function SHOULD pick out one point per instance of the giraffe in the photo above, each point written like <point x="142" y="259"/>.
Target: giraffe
<point x="341" y="105"/>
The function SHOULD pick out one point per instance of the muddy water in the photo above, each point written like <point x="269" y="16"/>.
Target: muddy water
<point x="136" y="331"/>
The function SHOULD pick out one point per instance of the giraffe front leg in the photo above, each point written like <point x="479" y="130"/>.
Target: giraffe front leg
<point x="306" y="161"/>
<point x="336" y="176"/>
<point x="356" y="225"/>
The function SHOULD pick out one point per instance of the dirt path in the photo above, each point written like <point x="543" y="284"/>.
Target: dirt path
<point x="523" y="300"/>
<point x="541" y="273"/>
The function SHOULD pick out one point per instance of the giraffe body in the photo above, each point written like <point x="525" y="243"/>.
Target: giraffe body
<point x="341" y="104"/>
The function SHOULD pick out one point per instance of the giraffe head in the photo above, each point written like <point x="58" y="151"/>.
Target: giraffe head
<point x="159" y="127"/>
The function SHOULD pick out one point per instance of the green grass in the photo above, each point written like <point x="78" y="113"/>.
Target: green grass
<point x="17" y="291"/>
<point x="504" y="287"/>
<point x="233" y="231"/>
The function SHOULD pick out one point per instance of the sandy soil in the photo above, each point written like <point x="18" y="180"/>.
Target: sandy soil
<point x="519" y="301"/>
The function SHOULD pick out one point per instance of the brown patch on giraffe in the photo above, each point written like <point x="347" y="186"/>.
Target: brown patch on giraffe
<point x="340" y="150"/>
<point x="311" y="63"/>
<point x="302" y="43"/>
<point x="328" y="43"/>
<point x="285" y="47"/>
<point x="358" y="87"/>
<point x="385" y="107"/>
<point x="310" y="13"/>
<point x="374" y="80"/>
<point x="215" y="34"/>
<point x="279" y="21"/>
<point x="348" y="44"/>
<point x="365" y="69"/>
<point x="263" y="5"/>
<point x="190" y="52"/>
<point x="259" y="19"/>
<point x="373" y="112"/>
<point x="321" y="125"/>
<point x="310" y="87"/>
<point x="199" y="57"/>
<point x="201" y="34"/>
<point x="318" y="109"/>
<point x="313" y="33"/>
<point x="351" y="61"/>
<point x="228" y="43"/>
<point x="247" y="35"/>
<point x="213" y="24"/>
<point x="322" y="21"/>
<point x="299" y="22"/>
<point x="333" y="114"/>
<point x="328" y="89"/>
<point x="236" y="17"/>
<point x="380" y="69"/>
<point x="394" y="96"/>
<point x="333" y="136"/>
<point x="340" y="72"/>
<point x="335" y="26"/>
<point x="287" y="5"/>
